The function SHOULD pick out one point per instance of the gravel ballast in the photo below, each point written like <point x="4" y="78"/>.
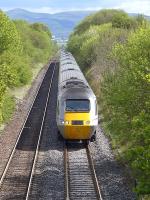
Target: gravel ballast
<point x="48" y="180"/>
<point x="9" y="135"/>
<point x="110" y="174"/>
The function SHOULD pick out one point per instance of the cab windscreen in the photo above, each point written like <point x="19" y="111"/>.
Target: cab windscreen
<point x="77" y="105"/>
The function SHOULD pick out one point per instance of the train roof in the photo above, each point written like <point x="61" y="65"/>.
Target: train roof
<point x="68" y="61"/>
<point x="77" y="93"/>
<point x="71" y="78"/>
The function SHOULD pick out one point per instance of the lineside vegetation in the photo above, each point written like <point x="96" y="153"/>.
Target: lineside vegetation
<point x="113" y="50"/>
<point x="22" y="47"/>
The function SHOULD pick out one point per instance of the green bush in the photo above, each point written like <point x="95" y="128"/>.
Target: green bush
<point x="127" y="98"/>
<point x="22" y="47"/>
<point x="9" y="37"/>
<point x="36" y="40"/>
<point x="8" y="107"/>
<point x="10" y="43"/>
<point x="122" y="20"/>
<point x="116" y="60"/>
<point x="83" y="45"/>
<point x="118" y="18"/>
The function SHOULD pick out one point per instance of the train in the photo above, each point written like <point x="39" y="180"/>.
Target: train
<point x="77" y="110"/>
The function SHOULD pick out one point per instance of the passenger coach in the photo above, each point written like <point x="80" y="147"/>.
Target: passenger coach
<point x="77" y="114"/>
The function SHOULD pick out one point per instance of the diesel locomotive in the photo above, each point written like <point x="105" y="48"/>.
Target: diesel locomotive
<point x="77" y="112"/>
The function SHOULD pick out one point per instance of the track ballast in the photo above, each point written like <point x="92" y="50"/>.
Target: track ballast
<point x="80" y="178"/>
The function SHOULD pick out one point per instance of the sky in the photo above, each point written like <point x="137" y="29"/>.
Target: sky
<point x="53" y="6"/>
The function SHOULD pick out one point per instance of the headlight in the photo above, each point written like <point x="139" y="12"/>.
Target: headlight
<point x="62" y="122"/>
<point x="65" y="122"/>
<point x="87" y="122"/>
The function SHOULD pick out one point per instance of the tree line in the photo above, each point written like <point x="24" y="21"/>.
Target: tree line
<point x="113" y="49"/>
<point x="22" y="47"/>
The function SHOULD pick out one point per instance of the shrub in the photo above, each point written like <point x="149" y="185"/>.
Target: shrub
<point x="8" y="107"/>
<point x="127" y="99"/>
<point x="22" y="46"/>
<point x="116" y="61"/>
<point x="117" y="17"/>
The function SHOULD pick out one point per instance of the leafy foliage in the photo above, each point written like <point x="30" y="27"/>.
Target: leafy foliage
<point x="115" y="56"/>
<point x="122" y="20"/>
<point x="8" y="107"/>
<point x="22" y="46"/>
<point x="82" y="46"/>
<point x="127" y="98"/>
<point x="118" y="18"/>
<point x="9" y="37"/>
<point x="37" y="46"/>
<point x="10" y="44"/>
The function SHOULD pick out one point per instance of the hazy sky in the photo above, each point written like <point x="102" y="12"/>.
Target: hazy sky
<point x="52" y="6"/>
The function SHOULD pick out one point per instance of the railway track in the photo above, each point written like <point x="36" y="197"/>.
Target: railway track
<point x="80" y="177"/>
<point x="16" y="180"/>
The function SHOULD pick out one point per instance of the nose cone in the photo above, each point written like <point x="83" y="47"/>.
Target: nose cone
<point x="77" y="128"/>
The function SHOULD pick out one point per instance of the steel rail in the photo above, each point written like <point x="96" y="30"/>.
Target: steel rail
<point x="66" y="172"/>
<point x="39" y="138"/>
<point x="95" y="180"/>
<point x="19" y="136"/>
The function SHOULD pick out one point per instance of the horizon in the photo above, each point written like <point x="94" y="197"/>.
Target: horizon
<point x="57" y="6"/>
<point x="52" y="12"/>
<point x="69" y="11"/>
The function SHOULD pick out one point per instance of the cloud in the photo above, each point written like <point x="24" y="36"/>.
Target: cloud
<point x="57" y="10"/>
<point x="44" y="10"/>
<point x="54" y="6"/>
<point x="136" y="6"/>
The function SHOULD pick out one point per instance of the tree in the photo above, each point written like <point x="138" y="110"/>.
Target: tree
<point x="9" y="37"/>
<point x="125" y="94"/>
<point x="122" y="20"/>
<point x="117" y="17"/>
<point x="41" y="27"/>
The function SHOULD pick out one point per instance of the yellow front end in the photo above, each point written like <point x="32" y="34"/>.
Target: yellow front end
<point x="75" y="131"/>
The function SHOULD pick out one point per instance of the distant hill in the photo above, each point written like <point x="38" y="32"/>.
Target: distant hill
<point x="135" y="14"/>
<point x="61" y="24"/>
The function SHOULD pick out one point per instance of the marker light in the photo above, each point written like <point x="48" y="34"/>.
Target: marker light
<point x="66" y="122"/>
